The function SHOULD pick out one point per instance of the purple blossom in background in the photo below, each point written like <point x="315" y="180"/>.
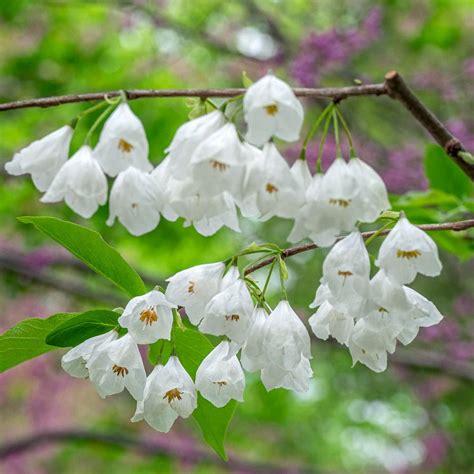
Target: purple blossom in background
<point x="437" y="82"/>
<point x="436" y="449"/>
<point x="469" y="67"/>
<point x="325" y="52"/>
<point x="447" y="330"/>
<point x="461" y="131"/>
<point x="404" y="170"/>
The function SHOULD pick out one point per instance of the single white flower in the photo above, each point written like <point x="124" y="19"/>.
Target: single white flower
<point x="80" y="182"/>
<point x="302" y="174"/>
<point x="372" y="198"/>
<point x="122" y="143"/>
<point x="296" y="379"/>
<point x="148" y="317"/>
<point x="218" y="163"/>
<point x="286" y="338"/>
<point x="135" y="201"/>
<point x="74" y="361"/>
<point x="43" y="158"/>
<point x="375" y="360"/>
<point x="252" y="356"/>
<point x="116" y="365"/>
<point x="220" y="378"/>
<point x="388" y="294"/>
<point x="331" y="321"/>
<point x="164" y="184"/>
<point x="272" y="109"/>
<point x="194" y="287"/>
<point x="406" y="251"/>
<point x="229" y="313"/>
<point x="189" y="136"/>
<point x="169" y="393"/>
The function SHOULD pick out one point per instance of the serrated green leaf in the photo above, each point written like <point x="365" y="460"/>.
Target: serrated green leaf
<point x="89" y="246"/>
<point x="82" y="327"/>
<point x="191" y="348"/>
<point x="26" y="340"/>
<point x="444" y="174"/>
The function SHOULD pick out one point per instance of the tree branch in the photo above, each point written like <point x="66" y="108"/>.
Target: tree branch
<point x="455" y="226"/>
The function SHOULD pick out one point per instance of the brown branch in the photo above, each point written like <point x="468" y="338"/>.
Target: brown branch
<point x="399" y="90"/>
<point x="455" y="226"/>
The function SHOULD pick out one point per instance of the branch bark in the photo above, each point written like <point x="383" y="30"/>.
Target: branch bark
<point x="455" y="226"/>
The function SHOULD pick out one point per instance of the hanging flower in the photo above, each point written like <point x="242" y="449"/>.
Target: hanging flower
<point x="135" y="201"/>
<point x="169" y="393"/>
<point x="122" y="143"/>
<point x="194" y="287"/>
<point x="43" y="158"/>
<point x="329" y="321"/>
<point x="116" y="365"/>
<point x="253" y="356"/>
<point x="272" y="109"/>
<point x="296" y="379"/>
<point x="148" y="317"/>
<point x="220" y="377"/>
<point x="406" y="251"/>
<point x="81" y="183"/>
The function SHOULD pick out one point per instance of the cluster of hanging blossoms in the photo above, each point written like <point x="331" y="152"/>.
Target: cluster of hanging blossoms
<point x="210" y="170"/>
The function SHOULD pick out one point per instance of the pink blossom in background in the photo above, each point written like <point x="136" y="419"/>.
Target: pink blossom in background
<point x="436" y="449"/>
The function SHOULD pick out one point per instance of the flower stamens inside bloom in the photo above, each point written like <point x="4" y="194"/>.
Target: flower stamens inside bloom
<point x="217" y="165"/>
<point x="271" y="109"/>
<point x="125" y="146"/>
<point x="148" y="316"/>
<point x="232" y="317"/>
<point x="191" y="287"/>
<point x="270" y="188"/>
<point x="408" y="254"/>
<point x="173" y="394"/>
<point x="382" y="310"/>
<point x="221" y="384"/>
<point x="119" y="371"/>
<point x="340" y="202"/>
<point x="345" y="274"/>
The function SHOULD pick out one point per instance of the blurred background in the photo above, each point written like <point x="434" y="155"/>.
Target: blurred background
<point x="417" y="417"/>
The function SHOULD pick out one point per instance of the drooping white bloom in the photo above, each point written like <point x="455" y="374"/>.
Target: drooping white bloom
<point x="74" y="361"/>
<point x="372" y="198"/>
<point x="148" y="317"/>
<point x="122" y="143"/>
<point x="286" y="339"/>
<point x="164" y="185"/>
<point x="81" y="183"/>
<point x="296" y="379"/>
<point x="218" y="163"/>
<point x="43" y="158"/>
<point x="252" y="356"/>
<point x="272" y="109"/>
<point x="388" y="294"/>
<point x="194" y="287"/>
<point x="406" y="251"/>
<point x="331" y="321"/>
<point x="375" y="358"/>
<point x="220" y="378"/>
<point x="189" y="136"/>
<point x="302" y="174"/>
<point x="135" y="201"/>
<point x="116" y="365"/>
<point x="229" y="313"/>
<point x="169" y="393"/>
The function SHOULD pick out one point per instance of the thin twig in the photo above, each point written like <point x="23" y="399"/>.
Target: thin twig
<point x="456" y="226"/>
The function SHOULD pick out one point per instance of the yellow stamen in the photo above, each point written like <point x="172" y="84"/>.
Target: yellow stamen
<point x="408" y="254"/>
<point x="270" y="188"/>
<point x="221" y="384"/>
<point x="134" y="205"/>
<point x="344" y="274"/>
<point x="172" y="394"/>
<point x="232" y="317"/>
<point x="217" y="165"/>
<point x="340" y="202"/>
<point x="119" y="371"/>
<point x="125" y="146"/>
<point x="148" y="316"/>
<point x="382" y="310"/>
<point x="271" y="109"/>
<point x="191" y="287"/>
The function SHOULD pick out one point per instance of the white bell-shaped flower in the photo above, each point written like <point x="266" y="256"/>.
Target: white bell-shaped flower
<point x="189" y="136"/>
<point x="169" y="393"/>
<point x="116" y="365"/>
<point x="372" y="198"/>
<point x="302" y="174"/>
<point x="229" y="313"/>
<point x="43" y="158"/>
<point x="406" y="251"/>
<point x="323" y="293"/>
<point x="375" y="360"/>
<point x="194" y="287"/>
<point x="220" y="378"/>
<point x="253" y="356"/>
<point x="329" y="321"/>
<point x="164" y="184"/>
<point x="346" y="269"/>
<point x="81" y="183"/>
<point x="272" y="109"/>
<point x="388" y="294"/>
<point x="74" y="361"/>
<point x="286" y="338"/>
<point x="135" y="201"/>
<point x="122" y="143"/>
<point x="296" y="379"/>
<point x="148" y="317"/>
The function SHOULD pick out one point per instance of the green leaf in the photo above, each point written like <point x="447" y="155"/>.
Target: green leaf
<point x="444" y="174"/>
<point x="82" y="327"/>
<point x="89" y="246"/>
<point x="160" y="352"/>
<point x="26" y="340"/>
<point x="191" y="348"/>
<point x="246" y="81"/>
